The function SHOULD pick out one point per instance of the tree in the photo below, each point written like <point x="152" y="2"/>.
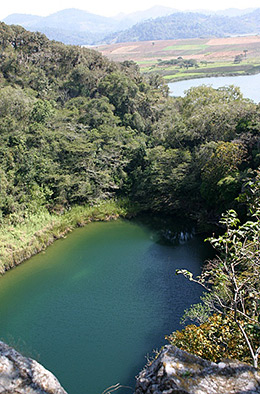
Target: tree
<point x="238" y="59"/>
<point x="219" y="171"/>
<point x="232" y="278"/>
<point x="215" y="339"/>
<point x="41" y="111"/>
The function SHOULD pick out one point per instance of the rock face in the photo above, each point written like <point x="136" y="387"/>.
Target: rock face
<point x="21" y="375"/>
<point x="176" y="371"/>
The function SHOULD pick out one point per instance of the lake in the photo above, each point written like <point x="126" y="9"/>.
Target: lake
<point x="94" y="305"/>
<point x="249" y="85"/>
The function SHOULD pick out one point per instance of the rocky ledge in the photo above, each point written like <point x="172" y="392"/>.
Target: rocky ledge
<point x="177" y="372"/>
<point x="22" y="375"/>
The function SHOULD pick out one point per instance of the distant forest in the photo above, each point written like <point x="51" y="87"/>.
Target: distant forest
<point x="78" y="27"/>
<point x="189" y="25"/>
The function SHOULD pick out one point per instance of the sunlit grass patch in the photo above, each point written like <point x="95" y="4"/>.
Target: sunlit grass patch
<point x="23" y="240"/>
<point x="146" y="61"/>
<point x="180" y="75"/>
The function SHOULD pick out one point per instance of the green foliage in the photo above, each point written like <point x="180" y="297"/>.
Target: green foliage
<point x="219" y="172"/>
<point x="15" y="103"/>
<point x="77" y="129"/>
<point x="82" y="139"/>
<point x="232" y="278"/>
<point x="41" y="111"/>
<point x="163" y="180"/>
<point x="22" y="237"/>
<point x="216" y="339"/>
<point x="188" y="25"/>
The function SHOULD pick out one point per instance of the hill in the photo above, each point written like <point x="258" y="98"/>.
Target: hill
<point x="22" y="19"/>
<point x="189" y="25"/>
<point x="73" y="26"/>
<point x="70" y="26"/>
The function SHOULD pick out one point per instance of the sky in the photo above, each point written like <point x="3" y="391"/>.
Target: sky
<point x="114" y="7"/>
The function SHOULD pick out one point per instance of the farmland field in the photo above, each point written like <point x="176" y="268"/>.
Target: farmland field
<point x="185" y="59"/>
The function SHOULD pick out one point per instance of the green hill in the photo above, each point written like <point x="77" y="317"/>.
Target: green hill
<point x="189" y="25"/>
<point x="73" y="26"/>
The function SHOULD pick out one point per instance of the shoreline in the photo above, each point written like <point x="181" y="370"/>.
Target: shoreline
<point x="213" y="75"/>
<point x="37" y="232"/>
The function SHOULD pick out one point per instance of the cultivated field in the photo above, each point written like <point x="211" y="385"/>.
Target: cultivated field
<point x="184" y="59"/>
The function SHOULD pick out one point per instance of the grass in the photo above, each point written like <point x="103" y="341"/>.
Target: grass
<point x="181" y="76"/>
<point x="204" y="69"/>
<point x="217" y="57"/>
<point x="191" y="75"/>
<point x="212" y="68"/>
<point x="145" y="61"/>
<point x="37" y="231"/>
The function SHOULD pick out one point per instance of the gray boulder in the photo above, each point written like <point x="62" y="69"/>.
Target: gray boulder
<point x="179" y="372"/>
<point x="22" y="375"/>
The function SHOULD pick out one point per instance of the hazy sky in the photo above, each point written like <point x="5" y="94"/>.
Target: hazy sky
<point x="113" y="7"/>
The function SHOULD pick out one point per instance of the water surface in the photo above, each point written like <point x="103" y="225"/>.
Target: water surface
<point x="96" y="303"/>
<point x="249" y="85"/>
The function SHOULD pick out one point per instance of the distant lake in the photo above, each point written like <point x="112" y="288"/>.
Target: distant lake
<point x="249" y="85"/>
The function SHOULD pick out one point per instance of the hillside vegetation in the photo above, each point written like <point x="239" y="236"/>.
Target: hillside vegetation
<point x="77" y="129"/>
<point x="183" y="25"/>
<point x="73" y="26"/>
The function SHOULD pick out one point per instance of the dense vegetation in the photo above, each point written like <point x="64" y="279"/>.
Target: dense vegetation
<point x="78" y="131"/>
<point x="189" y="25"/>
<point x="77" y="128"/>
<point x="232" y="285"/>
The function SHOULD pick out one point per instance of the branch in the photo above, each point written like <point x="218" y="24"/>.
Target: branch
<point x="189" y="276"/>
<point x="247" y="339"/>
<point x="114" y="388"/>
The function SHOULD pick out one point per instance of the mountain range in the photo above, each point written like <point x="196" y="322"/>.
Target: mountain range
<point x="189" y="25"/>
<point x="84" y="28"/>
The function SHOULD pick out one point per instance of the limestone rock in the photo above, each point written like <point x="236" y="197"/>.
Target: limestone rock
<point x="179" y="372"/>
<point x="22" y="375"/>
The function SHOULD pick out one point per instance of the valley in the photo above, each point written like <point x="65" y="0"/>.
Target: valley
<point x="190" y="58"/>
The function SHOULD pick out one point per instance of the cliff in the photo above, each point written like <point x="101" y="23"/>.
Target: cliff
<point x="173" y="371"/>
<point x="179" y="372"/>
<point x="22" y="375"/>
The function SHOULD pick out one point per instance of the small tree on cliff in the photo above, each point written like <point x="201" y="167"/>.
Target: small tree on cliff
<point x="232" y="279"/>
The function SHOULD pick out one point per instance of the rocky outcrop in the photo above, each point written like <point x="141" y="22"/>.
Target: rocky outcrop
<point x="176" y="371"/>
<point x="21" y="375"/>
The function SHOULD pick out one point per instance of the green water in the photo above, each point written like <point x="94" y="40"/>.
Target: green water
<point x="96" y="303"/>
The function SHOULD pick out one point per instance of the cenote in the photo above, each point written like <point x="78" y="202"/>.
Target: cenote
<point x="94" y="305"/>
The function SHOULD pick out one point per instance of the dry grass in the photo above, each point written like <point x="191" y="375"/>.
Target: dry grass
<point x="37" y="231"/>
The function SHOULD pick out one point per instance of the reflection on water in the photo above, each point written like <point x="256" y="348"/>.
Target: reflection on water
<point x="168" y="230"/>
